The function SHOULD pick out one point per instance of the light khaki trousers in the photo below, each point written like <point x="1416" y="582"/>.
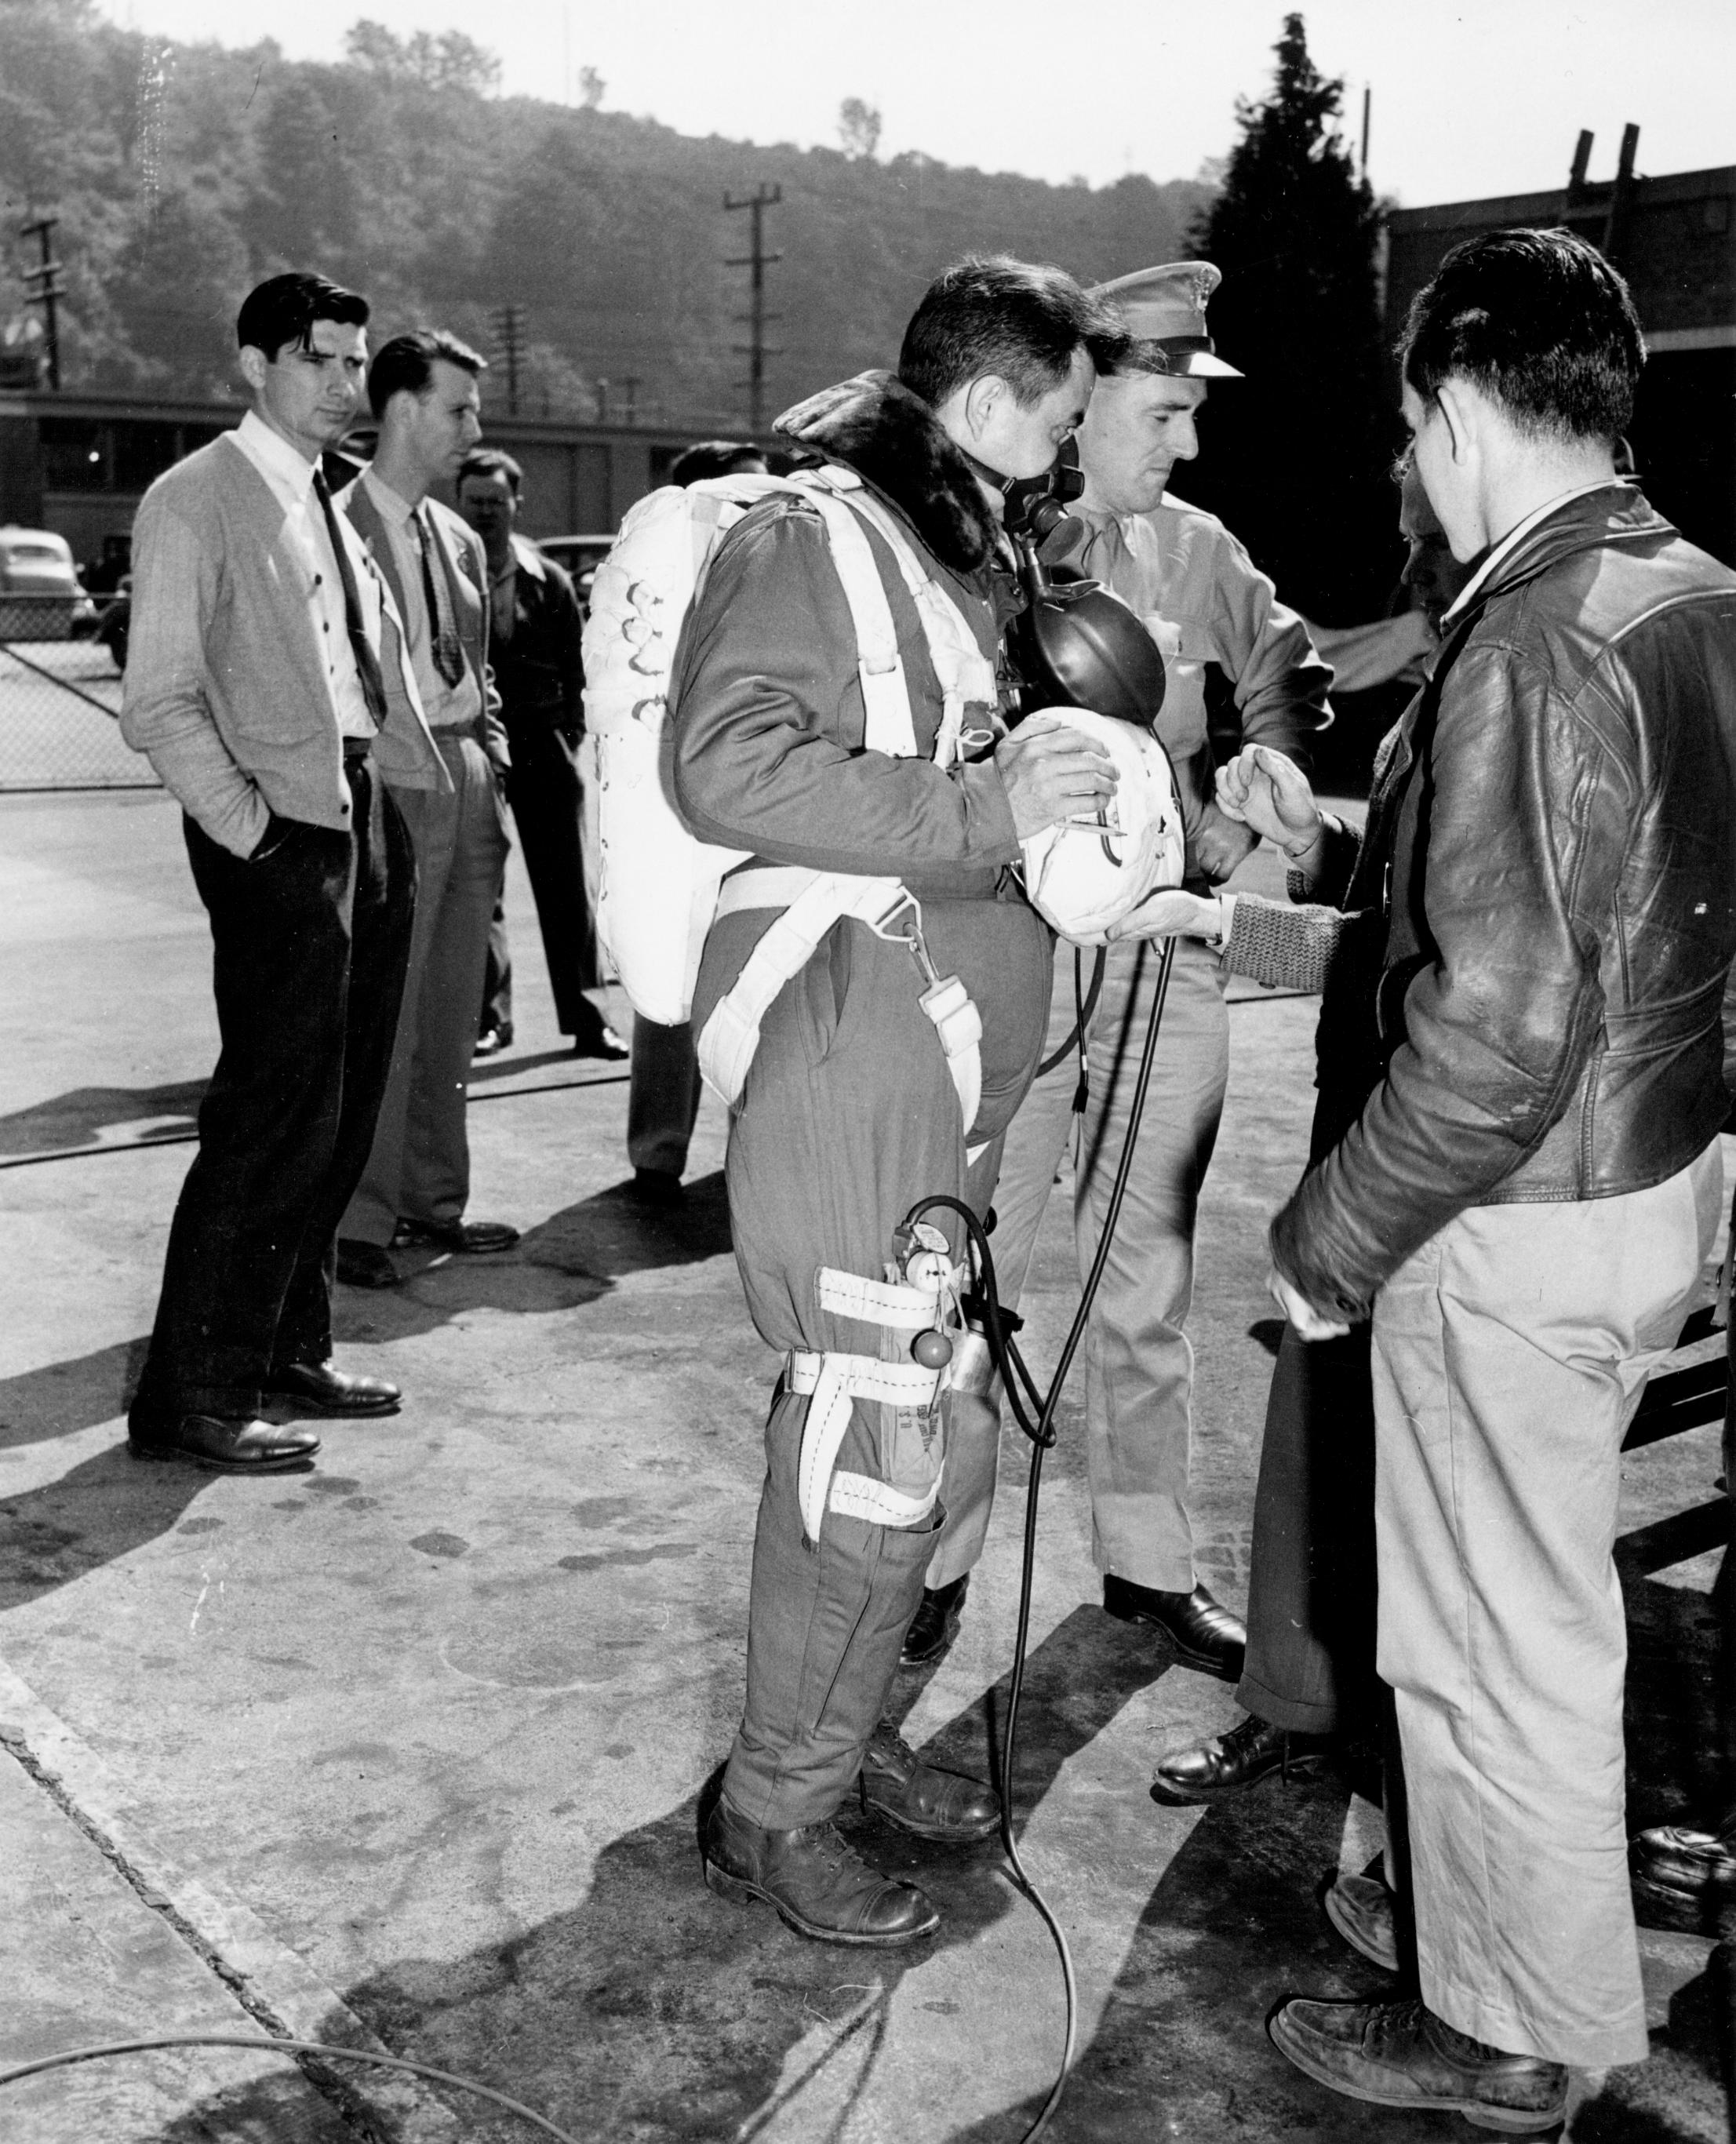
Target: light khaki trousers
<point x="1510" y="1354"/>
<point x="1137" y="1358"/>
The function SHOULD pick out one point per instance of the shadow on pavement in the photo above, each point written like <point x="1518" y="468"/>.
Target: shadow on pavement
<point x="563" y="1264"/>
<point x="62" y="1398"/>
<point x="79" y="1117"/>
<point x="105" y="1508"/>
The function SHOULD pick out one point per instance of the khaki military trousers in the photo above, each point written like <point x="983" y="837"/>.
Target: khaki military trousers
<point x="1510" y="1354"/>
<point x="1138" y="1359"/>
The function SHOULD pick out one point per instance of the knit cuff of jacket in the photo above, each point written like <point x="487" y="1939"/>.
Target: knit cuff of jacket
<point x="1297" y="1256"/>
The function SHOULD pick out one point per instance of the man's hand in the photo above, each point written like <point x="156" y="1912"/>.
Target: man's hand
<point x="1171" y="914"/>
<point x="1221" y="842"/>
<point x="1309" y="1323"/>
<point x="1052" y="773"/>
<point x="1271" y="794"/>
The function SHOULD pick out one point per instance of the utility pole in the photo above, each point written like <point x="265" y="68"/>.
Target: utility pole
<point x="630" y="389"/>
<point x="758" y="259"/>
<point x="49" y="290"/>
<point x="1367" y="101"/>
<point x="508" y="322"/>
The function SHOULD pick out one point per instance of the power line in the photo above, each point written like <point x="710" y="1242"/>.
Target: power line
<point x="757" y="260"/>
<point x="508" y="323"/>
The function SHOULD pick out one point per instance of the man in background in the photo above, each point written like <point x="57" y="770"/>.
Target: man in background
<point x="1206" y="604"/>
<point x="534" y="630"/>
<point x="423" y="389"/>
<point x="267" y="686"/>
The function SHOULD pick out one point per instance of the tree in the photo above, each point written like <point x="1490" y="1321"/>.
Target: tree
<point x="1295" y="457"/>
<point x="858" y="127"/>
<point x="451" y="61"/>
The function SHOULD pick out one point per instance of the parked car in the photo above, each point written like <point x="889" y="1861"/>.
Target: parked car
<point x="40" y="595"/>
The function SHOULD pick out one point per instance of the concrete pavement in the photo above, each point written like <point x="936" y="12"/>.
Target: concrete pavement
<point x="418" y="1738"/>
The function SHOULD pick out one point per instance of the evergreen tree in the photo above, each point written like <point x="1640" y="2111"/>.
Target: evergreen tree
<point x="1295" y="457"/>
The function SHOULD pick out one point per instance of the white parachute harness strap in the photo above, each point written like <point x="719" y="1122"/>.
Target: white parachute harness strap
<point x="812" y="902"/>
<point x="836" y="1381"/>
<point x="966" y="674"/>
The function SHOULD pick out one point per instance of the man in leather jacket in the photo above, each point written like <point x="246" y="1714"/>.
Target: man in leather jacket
<point x="1526" y="1200"/>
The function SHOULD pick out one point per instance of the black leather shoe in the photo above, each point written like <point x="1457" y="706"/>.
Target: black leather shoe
<point x="1225" y="1764"/>
<point x="1684" y="1879"/>
<point x="598" y="1039"/>
<point x="659" y="1187"/>
<point x="469" y="1239"/>
<point x="819" y="1887"/>
<point x="933" y="1804"/>
<point x="934" y="1625"/>
<point x="323" y="1388"/>
<point x="1364" y="1912"/>
<point x="364" y="1265"/>
<point x="1401" y="2054"/>
<point x="494" y="1040"/>
<point x="225" y="1447"/>
<point x="1205" y="1634"/>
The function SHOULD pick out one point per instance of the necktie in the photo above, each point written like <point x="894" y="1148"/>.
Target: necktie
<point x="367" y="662"/>
<point x="449" y="656"/>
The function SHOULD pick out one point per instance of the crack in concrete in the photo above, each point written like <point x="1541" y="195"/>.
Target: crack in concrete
<point x="332" y="2087"/>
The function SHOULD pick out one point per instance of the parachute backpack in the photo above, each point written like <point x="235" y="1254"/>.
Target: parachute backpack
<point x="660" y="888"/>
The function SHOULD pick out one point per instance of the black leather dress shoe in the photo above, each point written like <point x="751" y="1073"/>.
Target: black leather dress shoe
<point x="364" y="1265"/>
<point x="225" y="1447"/>
<point x="1204" y="1633"/>
<point x="599" y="1039"/>
<point x="934" y="1625"/>
<point x="1684" y="1879"/>
<point x="469" y="1239"/>
<point x="1401" y="2054"/>
<point x="661" y="1188"/>
<point x="919" y="1798"/>
<point x="819" y="1886"/>
<point x="323" y="1388"/>
<point x="1225" y="1764"/>
<point x="494" y="1040"/>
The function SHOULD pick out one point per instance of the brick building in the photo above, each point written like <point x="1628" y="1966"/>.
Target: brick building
<point x="1675" y="239"/>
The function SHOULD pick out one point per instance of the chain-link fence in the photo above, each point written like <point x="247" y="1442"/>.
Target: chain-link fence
<point x="59" y="699"/>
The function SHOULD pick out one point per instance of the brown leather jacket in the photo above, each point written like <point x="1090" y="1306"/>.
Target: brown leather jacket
<point x="1561" y="901"/>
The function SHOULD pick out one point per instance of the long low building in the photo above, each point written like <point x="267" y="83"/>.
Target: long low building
<point x="79" y="464"/>
<point x="1675" y="239"/>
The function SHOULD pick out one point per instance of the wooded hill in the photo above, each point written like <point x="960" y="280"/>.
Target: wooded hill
<point x="182" y="174"/>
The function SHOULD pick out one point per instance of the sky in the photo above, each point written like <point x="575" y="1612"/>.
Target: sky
<point x="1484" y="97"/>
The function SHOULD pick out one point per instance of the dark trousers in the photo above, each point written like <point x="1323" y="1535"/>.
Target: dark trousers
<point x="309" y="941"/>
<point x="542" y="788"/>
<point x="662" y="1099"/>
<point x="1310" y="1588"/>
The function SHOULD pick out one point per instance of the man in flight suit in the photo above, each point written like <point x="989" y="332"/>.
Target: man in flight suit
<point x="1208" y="608"/>
<point x="848" y="1115"/>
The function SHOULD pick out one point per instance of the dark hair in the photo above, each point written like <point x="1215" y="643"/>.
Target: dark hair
<point x="712" y="458"/>
<point x="408" y="361"/>
<point x="284" y="309"/>
<point x="1538" y="320"/>
<point x="991" y="313"/>
<point x="491" y="461"/>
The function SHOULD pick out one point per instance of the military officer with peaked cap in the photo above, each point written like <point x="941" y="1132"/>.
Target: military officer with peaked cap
<point x="1210" y="610"/>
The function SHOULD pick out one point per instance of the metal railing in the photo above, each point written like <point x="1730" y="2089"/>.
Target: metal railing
<point x="59" y="699"/>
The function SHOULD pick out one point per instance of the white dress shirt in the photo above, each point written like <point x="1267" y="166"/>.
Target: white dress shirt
<point x="290" y="476"/>
<point x="447" y="706"/>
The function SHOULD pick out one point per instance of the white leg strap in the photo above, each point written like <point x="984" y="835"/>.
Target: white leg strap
<point x="835" y="1381"/>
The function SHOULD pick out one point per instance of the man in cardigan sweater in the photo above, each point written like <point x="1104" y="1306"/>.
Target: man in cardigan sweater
<point x="266" y="684"/>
